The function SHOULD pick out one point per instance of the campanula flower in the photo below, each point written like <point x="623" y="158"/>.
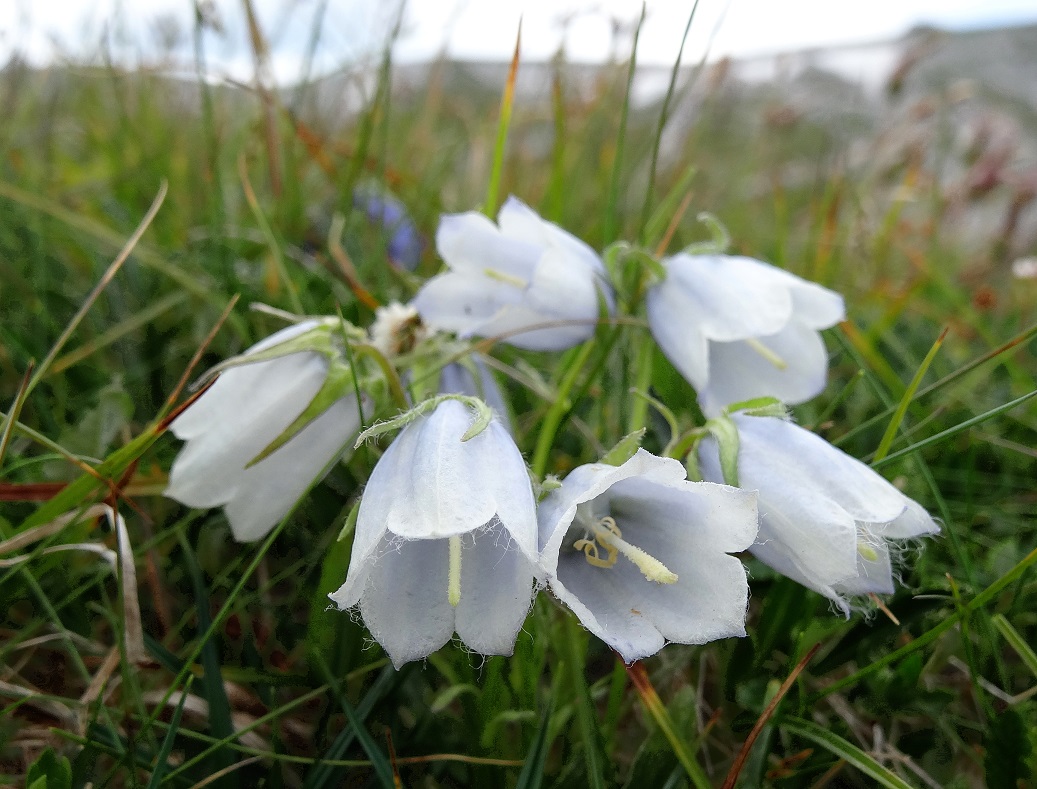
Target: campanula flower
<point x="524" y="279"/>
<point x="403" y="242"/>
<point x="246" y="412"/>
<point x="445" y="539"/>
<point x="827" y="521"/>
<point x="738" y="329"/>
<point x="640" y="554"/>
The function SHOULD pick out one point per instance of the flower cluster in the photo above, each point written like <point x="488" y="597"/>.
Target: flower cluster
<point x="455" y="535"/>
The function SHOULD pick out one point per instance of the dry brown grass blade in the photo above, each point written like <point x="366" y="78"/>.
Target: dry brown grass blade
<point x="345" y="265"/>
<point x="747" y="746"/>
<point x="186" y="376"/>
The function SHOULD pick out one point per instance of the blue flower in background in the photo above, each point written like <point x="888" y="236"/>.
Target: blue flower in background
<point x="403" y="240"/>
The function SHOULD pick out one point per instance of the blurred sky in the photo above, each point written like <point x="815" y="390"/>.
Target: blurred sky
<point x="147" y="31"/>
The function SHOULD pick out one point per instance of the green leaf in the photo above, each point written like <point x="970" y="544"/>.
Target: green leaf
<point x="1008" y="749"/>
<point x="161" y="761"/>
<point x="847" y="751"/>
<point x="49" y="771"/>
<point x="532" y="774"/>
<point x="624" y="449"/>
<point x="724" y="431"/>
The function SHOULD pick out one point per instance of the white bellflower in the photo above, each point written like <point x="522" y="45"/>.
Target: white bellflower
<point x="827" y="521"/>
<point x="738" y="329"/>
<point x="511" y="278"/>
<point x="640" y="554"/>
<point x="445" y="539"/>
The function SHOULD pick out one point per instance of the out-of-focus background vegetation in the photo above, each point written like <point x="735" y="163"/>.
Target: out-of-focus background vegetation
<point x="914" y="194"/>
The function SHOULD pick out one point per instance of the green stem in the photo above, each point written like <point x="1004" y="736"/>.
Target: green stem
<point x="559" y="408"/>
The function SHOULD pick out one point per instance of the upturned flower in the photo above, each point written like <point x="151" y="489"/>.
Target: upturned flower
<point x="640" y="554"/>
<point x="524" y="279"/>
<point x="271" y="424"/>
<point x="827" y="521"/>
<point x="445" y="537"/>
<point x="738" y="329"/>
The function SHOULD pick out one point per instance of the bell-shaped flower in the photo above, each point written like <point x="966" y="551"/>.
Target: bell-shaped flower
<point x="236" y="455"/>
<point x="739" y="329"/>
<point x="640" y="554"/>
<point x="525" y="280"/>
<point x="445" y="538"/>
<point x="827" y="521"/>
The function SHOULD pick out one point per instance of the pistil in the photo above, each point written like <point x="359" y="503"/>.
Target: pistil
<point x="607" y="535"/>
<point x="453" y="585"/>
<point x="767" y="353"/>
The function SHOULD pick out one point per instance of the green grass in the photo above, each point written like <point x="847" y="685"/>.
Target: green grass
<point x="286" y="693"/>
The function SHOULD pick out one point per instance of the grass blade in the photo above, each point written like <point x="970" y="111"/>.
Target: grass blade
<point x="503" y="124"/>
<point x="905" y="401"/>
<point x="655" y="707"/>
<point x="835" y="744"/>
<point x="532" y="774"/>
<point x="379" y="762"/>
<point x="953" y="431"/>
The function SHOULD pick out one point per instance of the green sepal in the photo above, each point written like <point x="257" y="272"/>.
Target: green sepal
<point x="624" y="449"/>
<point x="760" y="406"/>
<point x="483" y="415"/>
<point x="718" y="245"/>
<point x="540" y="490"/>
<point x="723" y="429"/>
<point x="320" y="339"/>
<point x="338" y="384"/>
<point x="350" y="525"/>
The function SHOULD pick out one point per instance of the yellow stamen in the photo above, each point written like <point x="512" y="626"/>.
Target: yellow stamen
<point x="608" y="536"/>
<point x="453" y="584"/>
<point x="507" y="279"/>
<point x="767" y="353"/>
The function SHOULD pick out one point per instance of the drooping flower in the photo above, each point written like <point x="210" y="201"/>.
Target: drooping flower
<point x="827" y="521"/>
<point x="640" y="554"/>
<point x="445" y="539"/>
<point x="244" y="412"/>
<point x="738" y="329"/>
<point x="522" y="274"/>
<point x="403" y="242"/>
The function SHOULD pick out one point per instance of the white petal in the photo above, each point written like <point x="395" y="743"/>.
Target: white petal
<point x="404" y="603"/>
<point x="513" y="324"/>
<point x="246" y="409"/>
<point x="796" y="459"/>
<point x="678" y="335"/>
<point x="431" y="484"/>
<point x="457" y="378"/>
<point x="519" y="222"/>
<point x="815" y="533"/>
<point x="269" y="489"/>
<point x="813" y="305"/>
<point x="874" y="575"/>
<point x="508" y="480"/>
<point x="914" y="521"/>
<point x="463" y="303"/>
<point x="730" y="298"/>
<point x="470" y="243"/>
<point x="737" y="372"/>
<point x="496" y="591"/>
<point x="776" y="555"/>
<point x="558" y="509"/>
<point x="687" y="526"/>
<point x="603" y="600"/>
